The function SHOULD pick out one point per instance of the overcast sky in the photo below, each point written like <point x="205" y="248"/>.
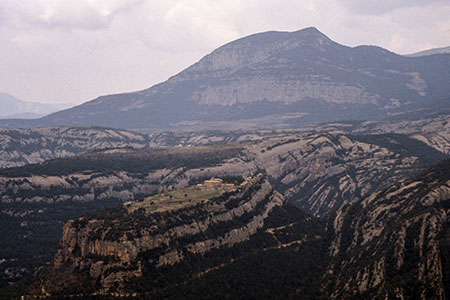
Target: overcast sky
<point x="75" y="50"/>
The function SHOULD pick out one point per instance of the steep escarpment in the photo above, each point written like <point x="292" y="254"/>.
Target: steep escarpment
<point x="394" y="243"/>
<point x="113" y="247"/>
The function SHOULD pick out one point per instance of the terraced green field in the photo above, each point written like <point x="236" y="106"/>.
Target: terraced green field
<point x="177" y="199"/>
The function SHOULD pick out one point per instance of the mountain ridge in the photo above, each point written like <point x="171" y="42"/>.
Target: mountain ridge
<point x="14" y="108"/>
<point x="302" y="75"/>
<point x="433" y="51"/>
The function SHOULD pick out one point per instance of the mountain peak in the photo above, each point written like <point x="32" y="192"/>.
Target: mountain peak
<point x="270" y="37"/>
<point x="258" y="47"/>
<point x="13" y="107"/>
<point x="310" y="34"/>
<point x="309" y="30"/>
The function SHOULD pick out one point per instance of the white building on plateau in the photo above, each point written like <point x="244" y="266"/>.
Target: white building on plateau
<point x="213" y="182"/>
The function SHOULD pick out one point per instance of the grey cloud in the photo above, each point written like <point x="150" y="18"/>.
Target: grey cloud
<point x="380" y="7"/>
<point x="88" y="21"/>
<point x="67" y="14"/>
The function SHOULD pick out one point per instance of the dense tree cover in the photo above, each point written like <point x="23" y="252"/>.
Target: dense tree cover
<point x="132" y="161"/>
<point x="38" y="232"/>
<point x="236" y="180"/>
<point x="402" y="208"/>
<point x="444" y="244"/>
<point x="405" y="146"/>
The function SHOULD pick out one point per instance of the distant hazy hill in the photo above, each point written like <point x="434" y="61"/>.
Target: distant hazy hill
<point x="443" y="50"/>
<point x="274" y="79"/>
<point x="13" y="108"/>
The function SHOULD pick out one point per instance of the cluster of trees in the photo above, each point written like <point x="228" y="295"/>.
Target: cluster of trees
<point x="236" y="180"/>
<point x="36" y="231"/>
<point x="405" y="146"/>
<point x="132" y="161"/>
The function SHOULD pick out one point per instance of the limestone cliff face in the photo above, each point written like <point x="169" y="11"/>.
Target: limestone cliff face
<point x="284" y="91"/>
<point x="393" y="243"/>
<point x="112" y="254"/>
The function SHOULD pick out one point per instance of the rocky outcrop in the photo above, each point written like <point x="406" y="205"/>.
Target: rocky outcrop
<point x="87" y="246"/>
<point x="24" y="146"/>
<point x="284" y="90"/>
<point x="392" y="243"/>
<point x="319" y="172"/>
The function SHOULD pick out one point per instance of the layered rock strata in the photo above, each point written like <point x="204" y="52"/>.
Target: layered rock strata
<point x="87" y="245"/>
